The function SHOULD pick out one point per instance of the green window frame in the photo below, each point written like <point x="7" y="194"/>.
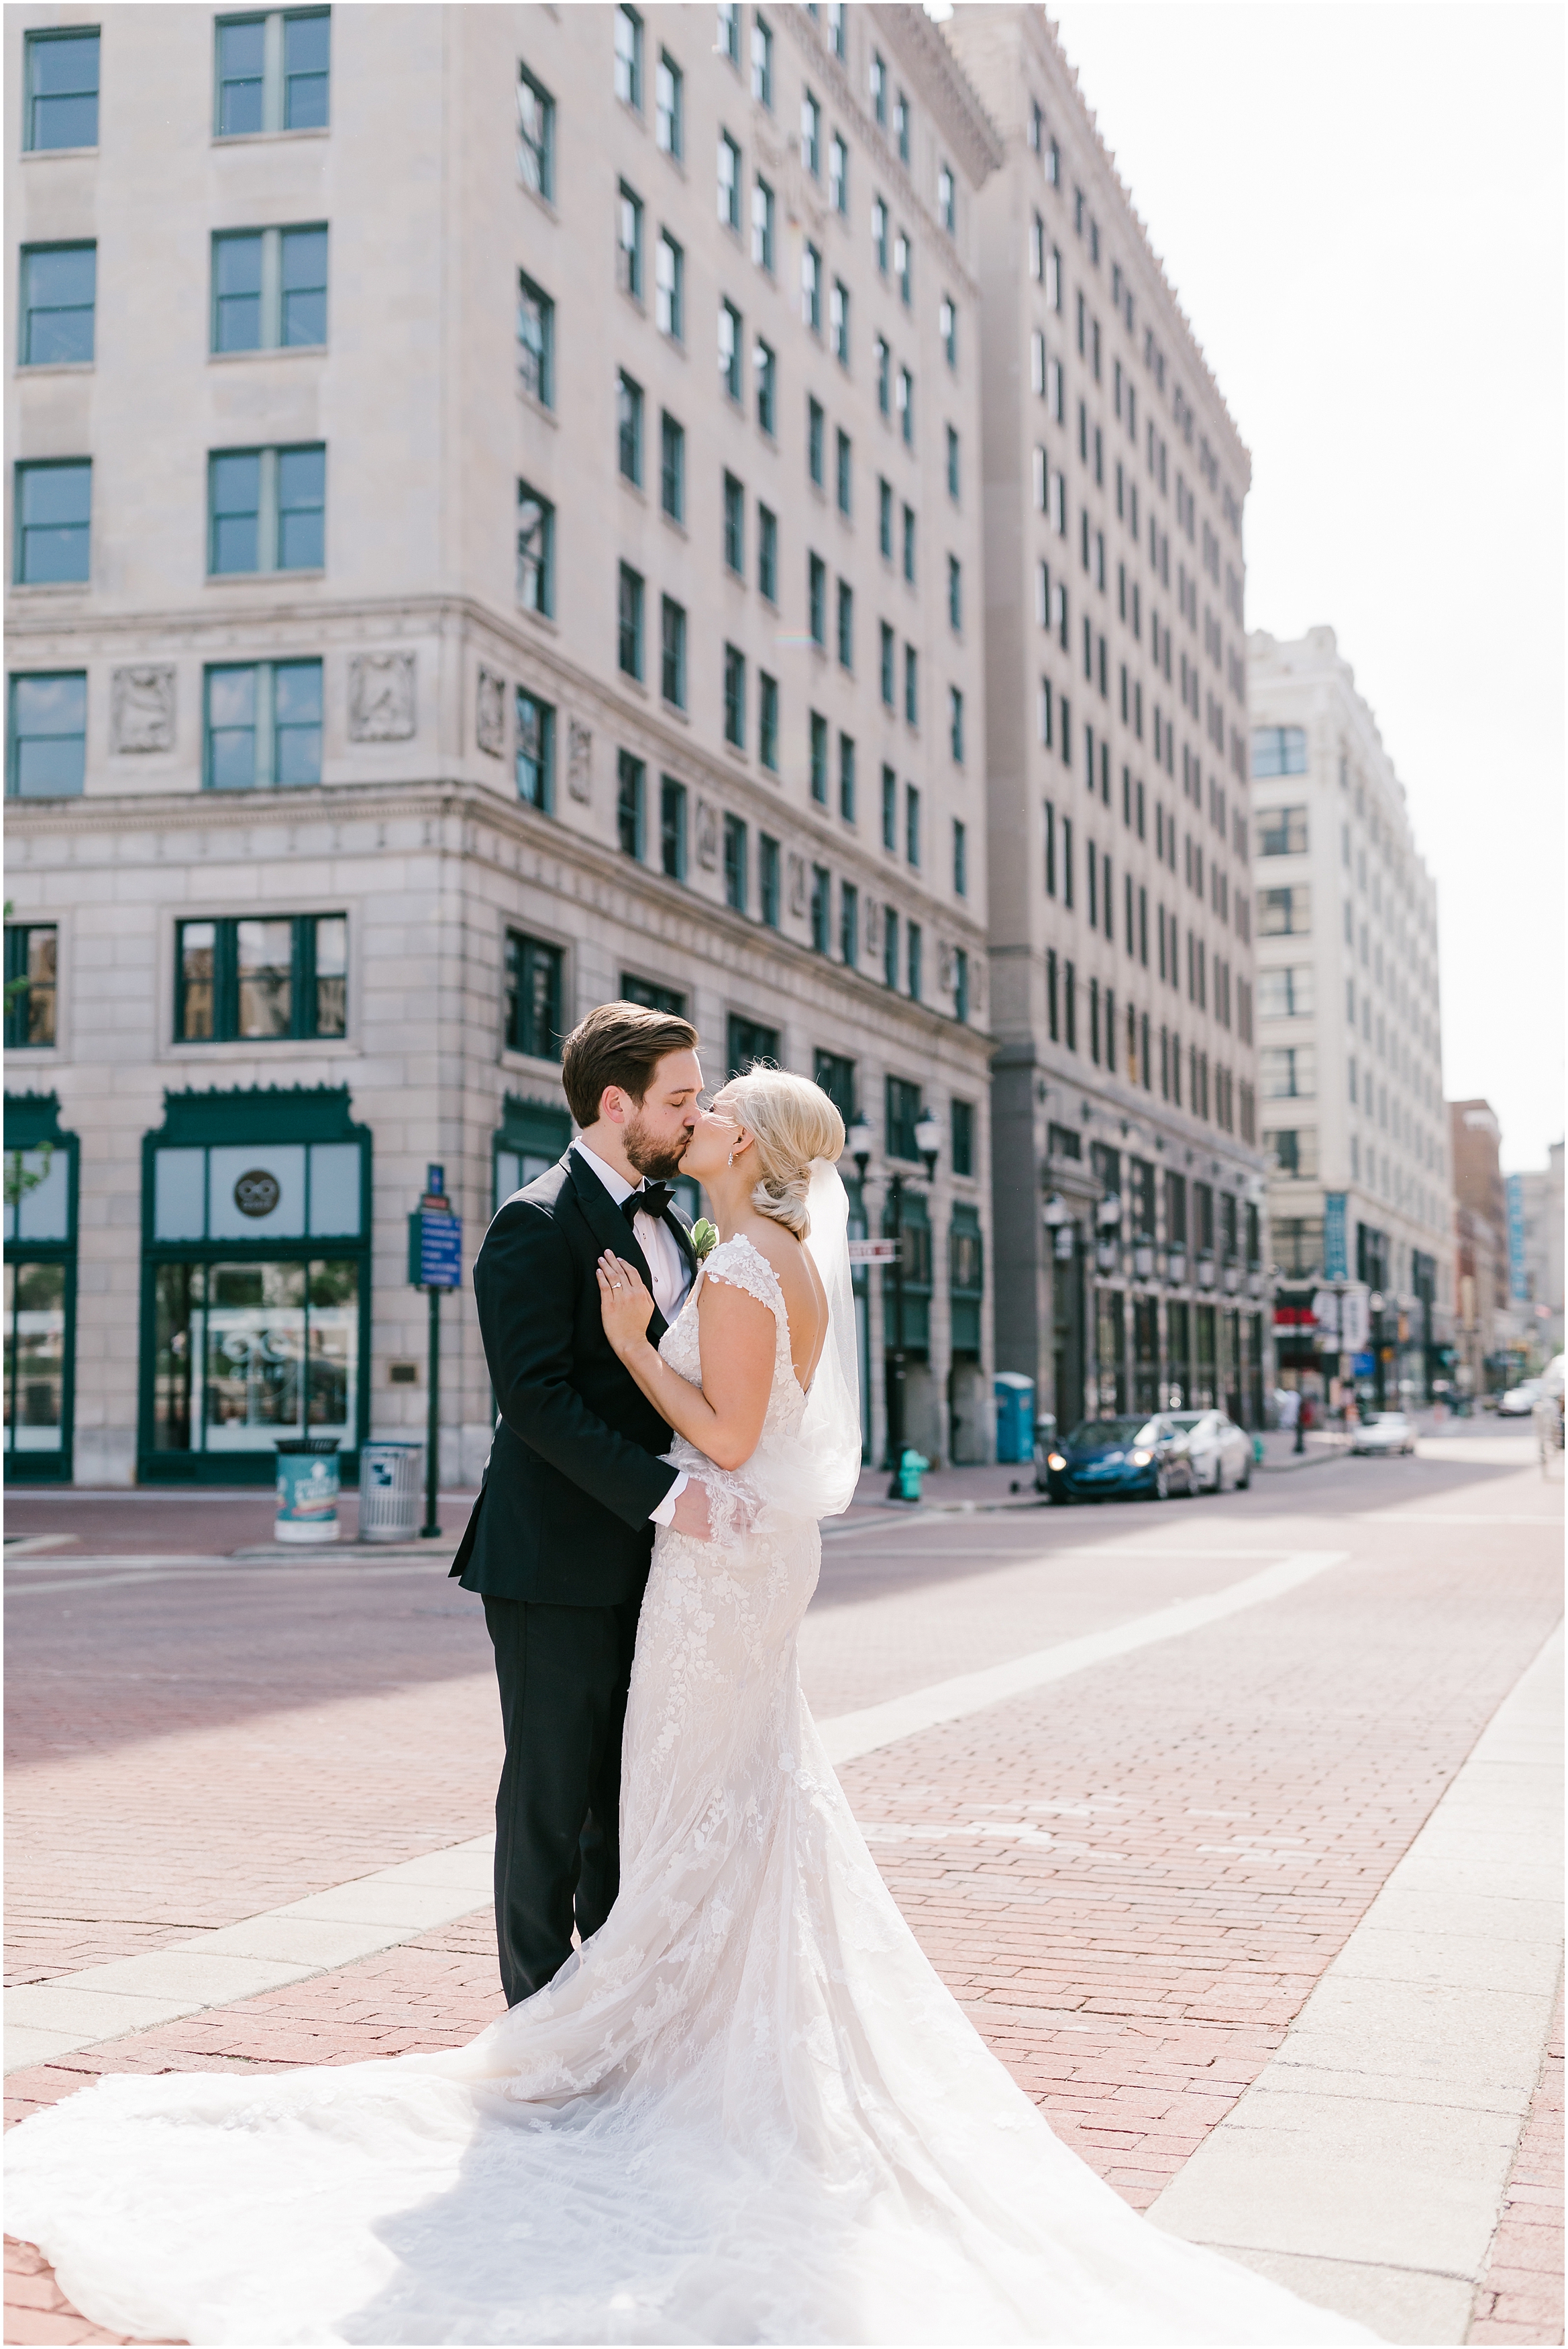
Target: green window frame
<point x="963" y="1137"/>
<point x="269" y="289"/>
<point x="535" y="135"/>
<point x="535" y="734"/>
<point x="736" y="883"/>
<point x="672" y="828"/>
<point x="535" y="552"/>
<point x="534" y="993"/>
<point x="768" y="721"/>
<point x="61" y="72"/>
<point x="262" y="725"/>
<point x="965" y="1277"/>
<point x="52" y="541"/>
<point x="47" y="733"/>
<point x="904" y="1103"/>
<point x="58" y="305"/>
<point x="272" y="72"/>
<point x="266" y="509"/>
<point x="748" y="1039"/>
<point x="32" y="983"/>
<point x="765" y="364"/>
<point x="631" y="805"/>
<point x="41" y="1185"/>
<point x="653" y="995"/>
<point x="629" y="623"/>
<point x="532" y="1137"/>
<point x="535" y="340"/>
<point x="835" y="1073"/>
<point x="262" y="980"/>
<point x="672" y="467"/>
<point x="769" y="857"/>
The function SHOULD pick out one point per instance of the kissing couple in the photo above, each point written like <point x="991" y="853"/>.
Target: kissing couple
<point x="743" y="2109"/>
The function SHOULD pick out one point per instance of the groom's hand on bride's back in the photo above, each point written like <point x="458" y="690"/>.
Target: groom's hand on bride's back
<point x="691" y="1517"/>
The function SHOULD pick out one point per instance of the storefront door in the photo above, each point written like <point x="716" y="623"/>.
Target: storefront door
<point x="40" y="1291"/>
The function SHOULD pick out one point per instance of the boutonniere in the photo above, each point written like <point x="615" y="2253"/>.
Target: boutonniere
<point x="704" y="1237"/>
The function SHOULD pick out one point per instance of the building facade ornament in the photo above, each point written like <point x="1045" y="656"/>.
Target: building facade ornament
<point x="142" y="709"/>
<point x="579" y="760"/>
<point x="381" y="696"/>
<point x="489" y="714"/>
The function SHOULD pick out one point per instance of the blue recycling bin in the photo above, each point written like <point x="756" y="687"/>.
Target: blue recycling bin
<point x="307" y="1487"/>
<point x="1015" y="1417"/>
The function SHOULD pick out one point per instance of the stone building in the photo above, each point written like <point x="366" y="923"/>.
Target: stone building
<point x="1490" y="1332"/>
<point x="1129" y="1243"/>
<point x="1535" y="1253"/>
<point x="495" y="518"/>
<point x="1350" y="1037"/>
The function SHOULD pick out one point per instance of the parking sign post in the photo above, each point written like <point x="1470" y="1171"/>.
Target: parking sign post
<point x="435" y="1262"/>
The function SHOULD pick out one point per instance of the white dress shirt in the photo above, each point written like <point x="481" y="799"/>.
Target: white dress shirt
<point x="669" y="1273"/>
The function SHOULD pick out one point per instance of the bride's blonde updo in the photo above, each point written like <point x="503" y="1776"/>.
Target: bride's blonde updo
<point x="791" y="1121"/>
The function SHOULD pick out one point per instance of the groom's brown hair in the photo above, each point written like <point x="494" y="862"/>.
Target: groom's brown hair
<point x="618" y="1044"/>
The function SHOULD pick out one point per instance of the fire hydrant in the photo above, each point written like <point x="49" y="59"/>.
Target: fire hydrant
<point x="912" y="1467"/>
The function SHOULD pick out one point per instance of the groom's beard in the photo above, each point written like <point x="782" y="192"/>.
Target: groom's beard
<point x="655" y="1160"/>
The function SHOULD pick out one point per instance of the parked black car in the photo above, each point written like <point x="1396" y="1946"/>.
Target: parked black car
<point x="1116" y="1459"/>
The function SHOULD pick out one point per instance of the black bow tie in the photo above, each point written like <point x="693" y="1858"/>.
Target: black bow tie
<point x="651" y="1200"/>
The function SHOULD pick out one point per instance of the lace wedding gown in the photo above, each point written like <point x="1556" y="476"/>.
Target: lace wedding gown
<point x="747" y="2111"/>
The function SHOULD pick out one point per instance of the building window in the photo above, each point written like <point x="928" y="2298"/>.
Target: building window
<point x="839" y="176"/>
<point x="768" y="553"/>
<point x="819" y="758"/>
<point x="886" y="665"/>
<point x="767" y="370"/>
<point x="960" y="984"/>
<point x="629" y="428"/>
<point x="963" y="1137"/>
<point x="728" y="181"/>
<point x="846" y="625"/>
<point x="817" y="600"/>
<point x="946" y="199"/>
<point x="265" y="981"/>
<point x="535" y="341"/>
<point x="903" y="1110"/>
<point x="906" y="406"/>
<point x="768" y="721"/>
<point x="629" y="243"/>
<point x="268" y="290"/>
<point x="262" y="726"/>
<point x="672" y="467"/>
<point x="901" y="118"/>
<point x="631" y="807"/>
<point x="672" y="828"/>
<point x="1286" y="994"/>
<point x="904" y="268"/>
<point x="49" y="736"/>
<point x="953" y="464"/>
<point x="61" y="105"/>
<point x="838" y="36"/>
<point x="762" y="63"/>
<point x="535" y="552"/>
<point x="812" y="288"/>
<point x="629" y="57"/>
<point x="670" y="291"/>
<point x="847" y="777"/>
<point x="1289" y="1071"/>
<point x="839" y="322"/>
<point x="535" y="135"/>
<point x="532" y="997"/>
<point x="879" y="87"/>
<point x="767" y="878"/>
<point x="32" y="959"/>
<point x="729" y="348"/>
<point x="910" y="686"/>
<point x="884" y="520"/>
<point x="673" y="653"/>
<point x="729" y="31"/>
<point x="909" y="533"/>
<point x="652" y="996"/>
<point x="960" y="858"/>
<point x="822" y="903"/>
<point x="955" y="594"/>
<point x="762" y="225"/>
<point x="736" y="890"/>
<point x="734" y="697"/>
<point x="890" y="947"/>
<point x="880" y="234"/>
<point x="1293" y="1152"/>
<point x="810" y="134"/>
<point x="836" y="1075"/>
<point x="1282" y="832"/>
<point x="1278" y="751"/>
<point x="949" y="331"/>
<point x="890" y="810"/>
<point x="629" y="623"/>
<point x="911" y="824"/>
<point x="670" y="107"/>
<point x="816" y="435"/>
<point x="1284" y="913"/>
<point x="535" y="751"/>
<point x="884" y="378"/>
<point x="275" y="73"/>
<point x="59" y="285"/>
<point x="956" y="724"/>
<point x="54" y="523"/>
<point x="266" y="509"/>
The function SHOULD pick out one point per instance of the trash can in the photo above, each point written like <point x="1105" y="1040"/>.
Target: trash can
<point x="390" y="1490"/>
<point x="307" y="1489"/>
<point x="912" y="1467"/>
<point x="1015" y="1416"/>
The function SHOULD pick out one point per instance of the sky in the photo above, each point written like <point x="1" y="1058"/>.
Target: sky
<point x="1361" y="209"/>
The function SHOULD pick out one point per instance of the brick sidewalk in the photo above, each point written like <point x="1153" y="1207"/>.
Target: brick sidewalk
<point x="1521" y="2295"/>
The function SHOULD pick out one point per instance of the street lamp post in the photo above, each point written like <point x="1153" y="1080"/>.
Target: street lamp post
<point x="928" y="1142"/>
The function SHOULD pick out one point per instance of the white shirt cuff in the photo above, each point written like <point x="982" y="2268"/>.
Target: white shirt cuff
<point x="665" y="1514"/>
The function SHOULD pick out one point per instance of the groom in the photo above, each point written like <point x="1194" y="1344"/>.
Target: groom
<point x="561" y="1535"/>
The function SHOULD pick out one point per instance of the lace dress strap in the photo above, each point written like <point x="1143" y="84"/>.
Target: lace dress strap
<point x="741" y="1262"/>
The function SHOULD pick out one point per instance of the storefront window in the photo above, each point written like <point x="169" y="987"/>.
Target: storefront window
<point x="40" y="1187"/>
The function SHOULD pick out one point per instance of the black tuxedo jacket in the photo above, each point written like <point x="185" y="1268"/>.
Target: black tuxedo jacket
<point x="562" y="1517"/>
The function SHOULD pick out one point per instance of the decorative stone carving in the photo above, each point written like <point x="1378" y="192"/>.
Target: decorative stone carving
<point x="579" y="759"/>
<point x="797" y="885"/>
<point x="381" y="697"/>
<point x="142" y="709"/>
<point x="489" y="714"/>
<point x="944" y="967"/>
<point x="707" y="836"/>
<point x="873" y="926"/>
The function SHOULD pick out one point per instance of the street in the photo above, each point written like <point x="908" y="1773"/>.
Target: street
<point x="1136" y="1775"/>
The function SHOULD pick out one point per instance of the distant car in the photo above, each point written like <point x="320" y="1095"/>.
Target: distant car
<point x="1520" y="1401"/>
<point x="1115" y="1459"/>
<point x="1214" y="1449"/>
<point x="1385" y="1432"/>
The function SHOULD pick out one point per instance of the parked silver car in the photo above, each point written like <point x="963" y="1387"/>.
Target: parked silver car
<point x="1519" y="1402"/>
<point x="1215" y="1450"/>
<point x="1383" y="1432"/>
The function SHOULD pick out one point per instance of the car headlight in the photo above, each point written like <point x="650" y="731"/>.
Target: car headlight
<point x="1055" y="1460"/>
<point x="1140" y="1459"/>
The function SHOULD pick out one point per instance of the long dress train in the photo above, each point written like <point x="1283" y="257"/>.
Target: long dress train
<point x="747" y="2111"/>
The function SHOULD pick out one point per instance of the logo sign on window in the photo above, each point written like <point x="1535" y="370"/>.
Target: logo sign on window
<point x="257" y="1192"/>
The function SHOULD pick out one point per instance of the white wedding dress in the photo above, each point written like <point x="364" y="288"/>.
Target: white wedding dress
<point x="747" y="2111"/>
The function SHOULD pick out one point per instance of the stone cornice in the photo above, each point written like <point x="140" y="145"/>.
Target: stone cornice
<point x="971" y="129"/>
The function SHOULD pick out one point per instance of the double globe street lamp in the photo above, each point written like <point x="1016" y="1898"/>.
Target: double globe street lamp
<point x="860" y="1144"/>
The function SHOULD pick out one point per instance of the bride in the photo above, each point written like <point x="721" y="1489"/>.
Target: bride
<point x="746" y="2110"/>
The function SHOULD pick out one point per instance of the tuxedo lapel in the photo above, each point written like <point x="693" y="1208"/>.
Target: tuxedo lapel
<point x="611" y="1230"/>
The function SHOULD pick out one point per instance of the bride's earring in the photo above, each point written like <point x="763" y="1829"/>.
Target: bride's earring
<point x="730" y="1160"/>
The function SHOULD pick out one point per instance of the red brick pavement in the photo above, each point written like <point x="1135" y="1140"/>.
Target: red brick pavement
<point x="1521" y="2295"/>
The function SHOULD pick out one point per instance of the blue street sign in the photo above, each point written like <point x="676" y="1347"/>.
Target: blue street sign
<point x="435" y="1251"/>
<point x="1362" y="1365"/>
<point x="1336" y="1257"/>
<point x="435" y="1181"/>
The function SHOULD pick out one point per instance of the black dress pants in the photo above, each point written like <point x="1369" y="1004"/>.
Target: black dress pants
<point x="563" y="1673"/>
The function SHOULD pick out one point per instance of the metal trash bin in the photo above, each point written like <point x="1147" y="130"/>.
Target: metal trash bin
<point x="390" y="1490"/>
<point x="307" y="1489"/>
